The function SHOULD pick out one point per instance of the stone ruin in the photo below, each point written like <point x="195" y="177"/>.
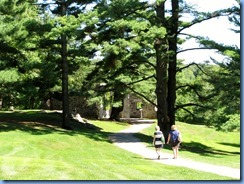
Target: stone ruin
<point x="134" y="107"/>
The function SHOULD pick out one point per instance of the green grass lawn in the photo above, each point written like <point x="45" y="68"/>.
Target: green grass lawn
<point x="34" y="147"/>
<point x="203" y="144"/>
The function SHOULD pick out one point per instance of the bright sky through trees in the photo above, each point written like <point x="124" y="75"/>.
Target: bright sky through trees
<point x="217" y="29"/>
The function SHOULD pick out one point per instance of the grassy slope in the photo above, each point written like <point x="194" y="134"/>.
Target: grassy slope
<point x="203" y="144"/>
<point x="33" y="147"/>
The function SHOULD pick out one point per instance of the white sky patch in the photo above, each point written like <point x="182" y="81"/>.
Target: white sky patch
<point x="212" y="5"/>
<point x="217" y="29"/>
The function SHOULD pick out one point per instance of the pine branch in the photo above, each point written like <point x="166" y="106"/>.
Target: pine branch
<point x="208" y="16"/>
<point x="195" y="90"/>
<point x="192" y="104"/>
<point x="192" y="115"/>
<point x="196" y="48"/>
<point x="143" y="96"/>
<point x="143" y="79"/>
<point x="193" y="63"/>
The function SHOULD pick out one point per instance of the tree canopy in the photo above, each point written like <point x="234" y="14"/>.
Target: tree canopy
<point x="94" y="48"/>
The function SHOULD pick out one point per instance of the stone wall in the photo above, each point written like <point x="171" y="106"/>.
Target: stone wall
<point x="131" y="110"/>
<point x="77" y="105"/>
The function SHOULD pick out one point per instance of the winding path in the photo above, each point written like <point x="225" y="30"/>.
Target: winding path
<point x="126" y="140"/>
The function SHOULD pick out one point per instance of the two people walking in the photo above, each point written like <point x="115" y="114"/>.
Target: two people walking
<point x="174" y="140"/>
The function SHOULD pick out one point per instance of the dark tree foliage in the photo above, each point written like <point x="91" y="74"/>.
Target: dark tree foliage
<point x="67" y="14"/>
<point x="91" y="48"/>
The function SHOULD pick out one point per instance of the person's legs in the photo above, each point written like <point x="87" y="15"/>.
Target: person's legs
<point x="174" y="152"/>
<point x="158" y="150"/>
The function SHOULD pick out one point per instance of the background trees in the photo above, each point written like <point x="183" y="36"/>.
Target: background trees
<point x="211" y="88"/>
<point x="17" y="61"/>
<point x="117" y="46"/>
<point x="66" y="37"/>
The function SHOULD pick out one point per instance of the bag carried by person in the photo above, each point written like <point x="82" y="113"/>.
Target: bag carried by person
<point x="175" y="138"/>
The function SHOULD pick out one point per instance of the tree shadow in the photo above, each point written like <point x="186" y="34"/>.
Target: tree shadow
<point x="229" y="144"/>
<point x="202" y="149"/>
<point x="194" y="147"/>
<point x="148" y="139"/>
<point x="124" y="138"/>
<point x="40" y="123"/>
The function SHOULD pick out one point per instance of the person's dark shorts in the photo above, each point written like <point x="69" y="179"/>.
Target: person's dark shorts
<point x="159" y="146"/>
<point x="174" y="143"/>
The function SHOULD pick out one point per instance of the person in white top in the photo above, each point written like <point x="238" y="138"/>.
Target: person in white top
<point x="158" y="140"/>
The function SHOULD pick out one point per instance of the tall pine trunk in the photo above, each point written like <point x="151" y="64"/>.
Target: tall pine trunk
<point x="65" y="92"/>
<point x="115" y="111"/>
<point x="161" y="48"/>
<point x="166" y="62"/>
<point x="173" y="61"/>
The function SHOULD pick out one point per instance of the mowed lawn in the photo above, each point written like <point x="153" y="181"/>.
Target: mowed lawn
<point x="203" y="144"/>
<point x="34" y="147"/>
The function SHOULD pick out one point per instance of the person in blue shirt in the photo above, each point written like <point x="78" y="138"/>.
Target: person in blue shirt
<point x="174" y="140"/>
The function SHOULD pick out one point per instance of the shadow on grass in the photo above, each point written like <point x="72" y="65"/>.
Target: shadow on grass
<point x="40" y="123"/>
<point x="230" y="144"/>
<point x="194" y="147"/>
<point x="202" y="149"/>
<point x="148" y="139"/>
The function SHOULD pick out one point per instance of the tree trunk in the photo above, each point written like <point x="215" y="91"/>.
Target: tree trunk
<point x="161" y="49"/>
<point x="1" y="102"/>
<point x="65" y="92"/>
<point x="115" y="113"/>
<point x="173" y="61"/>
<point x="161" y="91"/>
<point x="116" y="110"/>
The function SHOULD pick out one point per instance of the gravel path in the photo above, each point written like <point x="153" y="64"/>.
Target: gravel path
<point x="125" y="139"/>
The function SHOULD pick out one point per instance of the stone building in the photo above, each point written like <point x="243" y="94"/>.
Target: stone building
<point x="134" y="107"/>
<point x="76" y="105"/>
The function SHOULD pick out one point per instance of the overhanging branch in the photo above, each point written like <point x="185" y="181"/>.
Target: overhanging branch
<point x="197" y="48"/>
<point x="212" y="15"/>
<point x="192" y="104"/>
<point x="143" y="79"/>
<point x="195" y="90"/>
<point x="193" y="116"/>
<point x="147" y="99"/>
<point x="193" y="63"/>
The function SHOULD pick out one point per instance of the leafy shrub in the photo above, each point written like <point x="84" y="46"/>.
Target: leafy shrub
<point x="232" y="124"/>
